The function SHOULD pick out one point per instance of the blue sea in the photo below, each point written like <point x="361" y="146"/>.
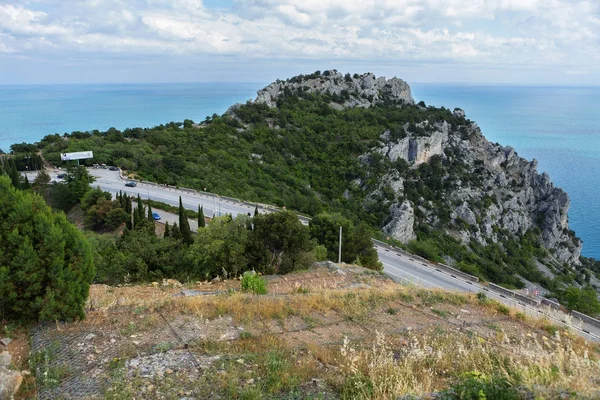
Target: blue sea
<point x="558" y="126"/>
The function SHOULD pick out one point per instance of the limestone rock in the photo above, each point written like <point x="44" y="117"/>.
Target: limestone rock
<point x="355" y="91"/>
<point x="401" y="226"/>
<point x="10" y="381"/>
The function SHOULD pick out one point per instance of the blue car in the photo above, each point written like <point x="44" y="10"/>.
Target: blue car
<point x="156" y="216"/>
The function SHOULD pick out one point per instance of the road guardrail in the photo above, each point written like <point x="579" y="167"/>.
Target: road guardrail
<point x="515" y="295"/>
<point x="586" y="318"/>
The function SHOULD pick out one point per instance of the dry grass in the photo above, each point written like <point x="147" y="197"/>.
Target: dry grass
<point x="377" y="343"/>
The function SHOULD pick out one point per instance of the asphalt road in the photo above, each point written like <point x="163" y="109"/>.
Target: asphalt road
<point x="396" y="265"/>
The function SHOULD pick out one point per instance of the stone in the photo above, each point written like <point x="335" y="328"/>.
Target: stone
<point x="401" y="226"/>
<point x="5" y="359"/>
<point x="6" y="341"/>
<point x="10" y="382"/>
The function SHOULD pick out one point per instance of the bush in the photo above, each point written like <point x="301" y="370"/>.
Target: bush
<point x="46" y="264"/>
<point x="253" y="283"/>
<point x="321" y="253"/>
<point x="477" y="386"/>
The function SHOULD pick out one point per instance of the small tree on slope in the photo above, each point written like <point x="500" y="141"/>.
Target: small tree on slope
<point x="46" y="264"/>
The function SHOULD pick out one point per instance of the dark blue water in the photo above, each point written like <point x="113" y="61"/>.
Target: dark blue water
<point x="559" y="126"/>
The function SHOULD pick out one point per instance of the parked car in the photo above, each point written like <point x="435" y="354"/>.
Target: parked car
<point x="156" y="216"/>
<point x="131" y="184"/>
<point x="61" y="176"/>
<point x="113" y="168"/>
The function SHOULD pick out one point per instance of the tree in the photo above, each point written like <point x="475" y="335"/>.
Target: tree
<point x="46" y="264"/>
<point x="167" y="232"/>
<point x="184" y="225"/>
<point x="201" y="221"/>
<point x="255" y="211"/>
<point x="357" y="246"/>
<point x="286" y="241"/>
<point x="41" y="182"/>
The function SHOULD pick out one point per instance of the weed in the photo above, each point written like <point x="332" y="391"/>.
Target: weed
<point x="551" y="329"/>
<point x="162" y="347"/>
<point x="520" y="316"/>
<point x="502" y="309"/>
<point x="9" y="330"/>
<point x="129" y="329"/>
<point x="253" y="283"/>
<point x="441" y="313"/>
<point x="482" y="297"/>
<point x="310" y="322"/>
<point x="41" y="363"/>
<point x="391" y="311"/>
<point x="245" y="335"/>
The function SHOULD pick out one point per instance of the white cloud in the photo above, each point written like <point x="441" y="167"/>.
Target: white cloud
<point x="533" y="32"/>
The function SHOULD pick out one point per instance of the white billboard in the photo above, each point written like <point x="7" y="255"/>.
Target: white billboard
<point x="80" y="155"/>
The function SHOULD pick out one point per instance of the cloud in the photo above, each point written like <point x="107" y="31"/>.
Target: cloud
<point x="533" y="32"/>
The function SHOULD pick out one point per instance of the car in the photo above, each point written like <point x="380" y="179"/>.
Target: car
<point x="61" y="176"/>
<point x="156" y="216"/>
<point x="131" y="184"/>
<point x="113" y="168"/>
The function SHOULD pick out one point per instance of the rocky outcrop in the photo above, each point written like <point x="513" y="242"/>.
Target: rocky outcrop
<point x="346" y="90"/>
<point x="401" y="226"/>
<point x="416" y="149"/>
<point x="498" y="193"/>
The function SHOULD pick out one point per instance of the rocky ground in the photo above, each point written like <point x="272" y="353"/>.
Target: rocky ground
<point x="207" y="340"/>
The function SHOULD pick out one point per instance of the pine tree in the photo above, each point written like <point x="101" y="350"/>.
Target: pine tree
<point x="201" y="222"/>
<point x="167" y="233"/>
<point x="255" y="211"/>
<point x="184" y="225"/>
<point x="46" y="263"/>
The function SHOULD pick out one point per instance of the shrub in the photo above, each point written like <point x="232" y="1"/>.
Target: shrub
<point x="46" y="264"/>
<point x="253" y="283"/>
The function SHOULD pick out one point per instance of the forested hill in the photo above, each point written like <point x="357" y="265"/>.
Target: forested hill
<point x="359" y="145"/>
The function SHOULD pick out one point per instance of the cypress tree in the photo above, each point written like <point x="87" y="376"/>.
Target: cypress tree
<point x="14" y="175"/>
<point x="255" y="211"/>
<point x="167" y="233"/>
<point x="128" y="211"/>
<point x="175" y="232"/>
<point x="25" y="185"/>
<point x="140" y="208"/>
<point x="201" y="222"/>
<point x="184" y="225"/>
<point x="136" y="219"/>
<point x="150" y="217"/>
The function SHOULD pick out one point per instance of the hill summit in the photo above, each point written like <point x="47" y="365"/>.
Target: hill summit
<point x="346" y="90"/>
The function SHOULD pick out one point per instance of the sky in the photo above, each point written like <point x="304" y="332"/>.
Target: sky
<point x="540" y="42"/>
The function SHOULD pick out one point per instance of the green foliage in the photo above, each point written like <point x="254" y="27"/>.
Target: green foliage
<point x="356" y="241"/>
<point x="253" y="283"/>
<point x="201" y="220"/>
<point x="321" y="253"/>
<point x="477" y="386"/>
<point x="584" y="300"/>
<point x="46" y="264"/>
<point x="184" y="224"/>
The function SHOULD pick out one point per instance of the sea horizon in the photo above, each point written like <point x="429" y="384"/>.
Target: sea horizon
<point x="555" y="124"/>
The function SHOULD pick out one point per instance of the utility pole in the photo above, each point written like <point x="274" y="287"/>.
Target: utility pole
<point x="340" y="248"/>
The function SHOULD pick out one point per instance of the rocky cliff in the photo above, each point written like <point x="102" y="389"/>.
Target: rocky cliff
<point x="496" y="191"/>
<point x="349" y="90"/>
<point x="476" y="191"/>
